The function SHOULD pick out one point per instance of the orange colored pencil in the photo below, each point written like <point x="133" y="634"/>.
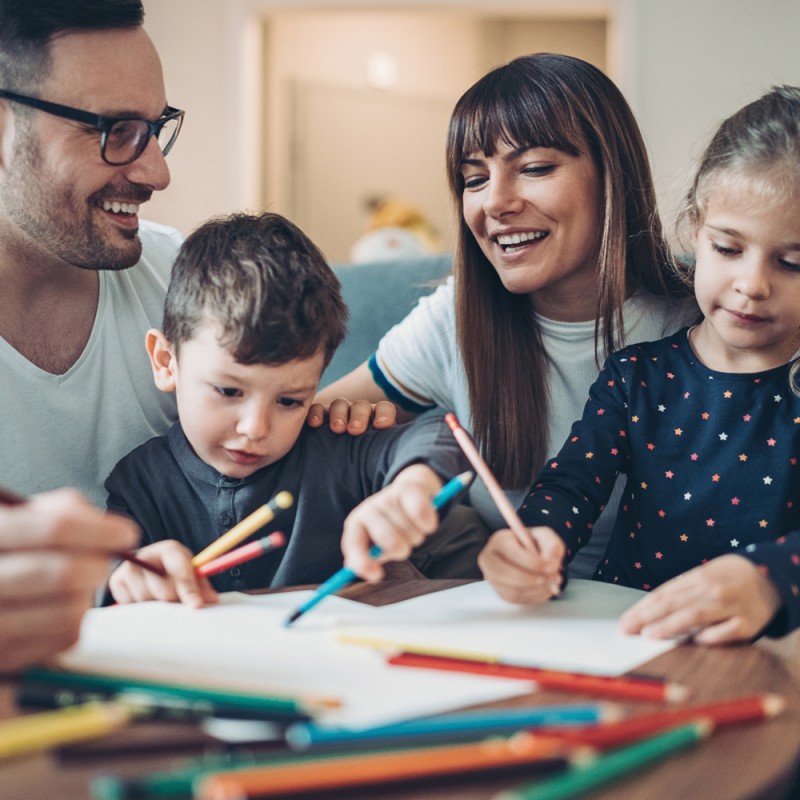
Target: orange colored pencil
<point x="366" y="768"/>
<point x="620" y="687"/>
<point x="751" y="708"/>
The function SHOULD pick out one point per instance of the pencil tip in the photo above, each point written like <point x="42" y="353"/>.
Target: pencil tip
<point x="289" y="620"/>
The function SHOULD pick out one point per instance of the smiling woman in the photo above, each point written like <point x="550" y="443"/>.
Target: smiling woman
<point x="560" y="257"/>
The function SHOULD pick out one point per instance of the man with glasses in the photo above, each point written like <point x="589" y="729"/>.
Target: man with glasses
<point x="84" y="130"/>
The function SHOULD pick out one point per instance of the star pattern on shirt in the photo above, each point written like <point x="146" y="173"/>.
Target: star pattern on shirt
<point x="731" y="492"/>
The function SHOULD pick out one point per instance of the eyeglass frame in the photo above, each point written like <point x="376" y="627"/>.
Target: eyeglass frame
<point x="103" y="123"/>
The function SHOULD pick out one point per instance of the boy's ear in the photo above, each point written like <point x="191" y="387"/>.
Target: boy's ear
<point x="162" y="360"/>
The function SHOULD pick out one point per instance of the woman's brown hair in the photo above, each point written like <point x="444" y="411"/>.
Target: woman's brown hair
<point x="554" y="101"/>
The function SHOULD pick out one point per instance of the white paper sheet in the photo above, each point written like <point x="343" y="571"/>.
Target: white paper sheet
<point x="242" y="644"/>
<point x="576" y="632"/>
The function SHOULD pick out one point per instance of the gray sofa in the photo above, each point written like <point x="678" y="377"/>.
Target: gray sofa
<point x="380" y="294"/>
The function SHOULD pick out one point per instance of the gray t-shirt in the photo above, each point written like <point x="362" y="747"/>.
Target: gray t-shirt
<point x="420" y="358"/>
<point x="70" y="429"/>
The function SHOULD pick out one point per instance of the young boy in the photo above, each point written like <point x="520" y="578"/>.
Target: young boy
<point x="253" y="315"/>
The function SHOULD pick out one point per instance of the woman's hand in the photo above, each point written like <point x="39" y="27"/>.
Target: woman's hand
<point x="524" y="574"/>
<point x="131" y="584"/>
<point x="353" y="417"/>
<point x="728" y="599"/>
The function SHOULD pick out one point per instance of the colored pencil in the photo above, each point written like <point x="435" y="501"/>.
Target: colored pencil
<point x="346" y="576"/>
<point x="224" y="702"/>
<point x="248" y="526"/>
<point x="9" y="498"/>
<point x="620" y="687"/>
<point x="751" y="708"/>
<point x="463" y="725"/>
<point x="361" y="769"/>
<point x="502" y="502"/>
<point x="241" y="554"/>
<point x="595" y="771"/>
<point x="35" y="732"/>
<point x="480" y="466"/>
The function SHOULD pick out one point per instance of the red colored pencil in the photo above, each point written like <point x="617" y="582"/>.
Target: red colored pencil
<point x="751" y="708"/>
<point x="241" y="554"/>
<point x="8" y="498"/>
<point x="621" y="687"/>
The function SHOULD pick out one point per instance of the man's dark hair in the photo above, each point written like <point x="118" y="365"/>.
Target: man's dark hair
<point x="28" y="26"/>
<point x="264" y="283"/>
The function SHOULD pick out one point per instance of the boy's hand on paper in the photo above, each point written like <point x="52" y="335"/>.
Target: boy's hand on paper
<point x="397" y="519"/>
<point x="353" y="417"/>
<point x="728" y="599"/>
<point x="131" y="584"/>
<point x="523" y="574"/>
<point x="54" y="552"/>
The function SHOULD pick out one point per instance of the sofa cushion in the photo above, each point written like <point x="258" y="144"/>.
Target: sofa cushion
<point x="379" y="294"/>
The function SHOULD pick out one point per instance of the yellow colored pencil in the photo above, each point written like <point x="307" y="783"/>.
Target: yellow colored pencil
<point x="249" y="525"/>
<point x="35" y="732"/>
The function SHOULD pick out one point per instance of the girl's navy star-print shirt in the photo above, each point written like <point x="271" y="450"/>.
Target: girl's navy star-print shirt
<point x="711" y="460"/>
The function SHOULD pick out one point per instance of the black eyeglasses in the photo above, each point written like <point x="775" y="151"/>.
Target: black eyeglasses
<point x="122" y="139"/>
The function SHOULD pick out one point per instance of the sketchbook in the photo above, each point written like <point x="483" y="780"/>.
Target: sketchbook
<point x="241" y="644"/>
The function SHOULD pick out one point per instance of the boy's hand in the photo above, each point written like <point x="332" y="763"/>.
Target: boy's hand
<point x="353" y="417"/>
<point x="397" y="519"/>
<point x="728" y="599"/>
<point x="523" y="574"/>
<point x="131" y="584"/>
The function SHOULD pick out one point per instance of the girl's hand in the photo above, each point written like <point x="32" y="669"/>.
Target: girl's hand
<point x="527" y="574"/>
<point x="353" y="417"/>
<point x="131" y="584"/>
<point x="397" y="519"/>
<point x="728" y="599"/>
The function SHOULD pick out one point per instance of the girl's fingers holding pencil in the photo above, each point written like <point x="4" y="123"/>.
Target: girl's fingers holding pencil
<point x="518" y="574"/>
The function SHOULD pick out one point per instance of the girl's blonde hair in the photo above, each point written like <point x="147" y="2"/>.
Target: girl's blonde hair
<point x="555" y="101"/>
<point x="760" y="142"/>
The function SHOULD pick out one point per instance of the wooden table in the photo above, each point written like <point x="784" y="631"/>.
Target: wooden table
<point x="740" y="763"/>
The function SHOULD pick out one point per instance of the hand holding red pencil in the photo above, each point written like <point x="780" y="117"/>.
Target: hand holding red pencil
<point x="129" y="583"/>
<point x="55" y="550"/>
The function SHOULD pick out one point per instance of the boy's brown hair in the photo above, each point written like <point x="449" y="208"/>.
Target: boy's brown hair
<point x="264" y="283"/>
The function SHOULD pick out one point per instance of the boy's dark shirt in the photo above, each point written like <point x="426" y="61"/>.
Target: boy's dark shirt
<point x="172" y="494"/>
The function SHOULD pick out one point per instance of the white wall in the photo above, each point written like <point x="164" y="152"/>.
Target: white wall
<point x="693" y="63"/>
<point x="683" y="64"/>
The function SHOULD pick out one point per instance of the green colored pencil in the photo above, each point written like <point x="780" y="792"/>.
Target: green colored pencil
<point x="587" y="775"/>
<point x="252" y="705"/>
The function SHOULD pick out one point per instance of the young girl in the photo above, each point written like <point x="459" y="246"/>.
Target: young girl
<point x="705" y="423"/>
<point x="560" y="258"/>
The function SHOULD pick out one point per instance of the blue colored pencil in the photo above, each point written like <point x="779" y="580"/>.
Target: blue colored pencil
<point x="463" y="726"/>
<point x="346" y="576"/>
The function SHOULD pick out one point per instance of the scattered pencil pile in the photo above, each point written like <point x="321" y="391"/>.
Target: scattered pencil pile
<point x="565" y="750"/>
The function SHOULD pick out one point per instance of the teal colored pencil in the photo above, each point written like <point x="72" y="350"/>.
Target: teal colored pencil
<point x="453" y="727"/>
<point x="585" y="776"/>
<point x="345" y="576"/>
